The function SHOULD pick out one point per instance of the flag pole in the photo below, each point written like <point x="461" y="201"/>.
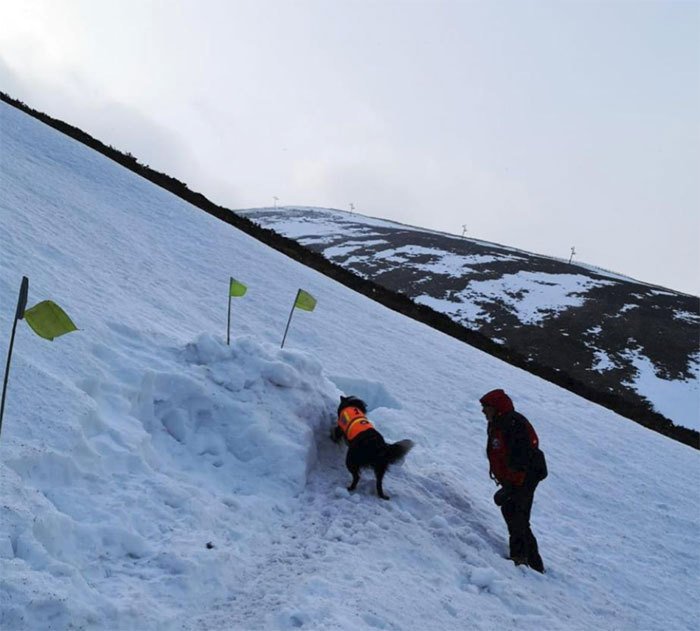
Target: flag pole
<point x="228" y="324"/>
<point x="19" y="314"/>
<point x="290" y="318"/>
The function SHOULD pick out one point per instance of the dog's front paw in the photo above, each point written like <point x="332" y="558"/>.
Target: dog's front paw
<point x="384" y="497"/>
<point x="352" y="487"/>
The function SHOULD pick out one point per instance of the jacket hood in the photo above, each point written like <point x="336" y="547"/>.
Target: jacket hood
<point x="498" y="399"/>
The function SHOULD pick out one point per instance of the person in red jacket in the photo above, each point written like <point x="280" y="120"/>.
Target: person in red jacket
<point x="518" y="466"/>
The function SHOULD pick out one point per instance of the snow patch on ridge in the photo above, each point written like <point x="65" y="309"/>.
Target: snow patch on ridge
<point x="668" y="397"/>
<point x="534" y="296"/>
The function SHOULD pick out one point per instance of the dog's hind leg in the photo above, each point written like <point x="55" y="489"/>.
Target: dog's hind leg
<point x="355" y="470"/>
<point x="379" y="472"/>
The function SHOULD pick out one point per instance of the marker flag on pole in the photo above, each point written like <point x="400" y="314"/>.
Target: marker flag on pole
<point x="48" y="320"/>
<point x="305" y="301"/>
<point x="236" y="289"/>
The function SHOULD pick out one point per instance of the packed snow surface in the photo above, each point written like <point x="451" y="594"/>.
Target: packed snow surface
<point x="154" y="477"/>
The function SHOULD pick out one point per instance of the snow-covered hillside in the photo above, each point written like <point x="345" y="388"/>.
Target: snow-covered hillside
<point x="152" y="477"/>
<point x="610" y="332"/>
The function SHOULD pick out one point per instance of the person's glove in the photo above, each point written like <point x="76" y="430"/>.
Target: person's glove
<point x="501" y="496"/>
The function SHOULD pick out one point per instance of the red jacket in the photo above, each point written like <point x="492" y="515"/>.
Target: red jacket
<point x="511" y="440"/>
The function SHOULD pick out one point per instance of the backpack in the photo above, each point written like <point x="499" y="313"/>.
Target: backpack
<point x="538" y="463"/>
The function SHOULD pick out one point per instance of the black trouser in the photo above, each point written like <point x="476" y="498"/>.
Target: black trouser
<point x="516" y="511"/>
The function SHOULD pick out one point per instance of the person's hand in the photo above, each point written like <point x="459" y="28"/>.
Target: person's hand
<point x="501" y="496"/>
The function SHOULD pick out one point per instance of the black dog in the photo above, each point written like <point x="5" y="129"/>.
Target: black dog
<point x="366" y="446"/>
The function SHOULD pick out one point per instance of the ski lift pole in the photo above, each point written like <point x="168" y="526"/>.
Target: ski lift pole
<point x="291" y="313"/>
<point x="19" y="314"/>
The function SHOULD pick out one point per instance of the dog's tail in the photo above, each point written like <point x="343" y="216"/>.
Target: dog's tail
<point x="396" y="451"/>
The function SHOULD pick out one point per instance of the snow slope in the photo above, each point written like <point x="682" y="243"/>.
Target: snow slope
<point x="152" y="477"/>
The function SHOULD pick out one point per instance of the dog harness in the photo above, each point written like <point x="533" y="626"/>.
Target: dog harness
<point x="353" y="422"/>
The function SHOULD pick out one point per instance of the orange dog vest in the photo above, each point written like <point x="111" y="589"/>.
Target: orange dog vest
<point x="353" y="422"/>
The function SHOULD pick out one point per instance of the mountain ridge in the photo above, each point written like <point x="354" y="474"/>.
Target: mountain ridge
<point x="610" y="331"/>
<point x="389" y="222"/>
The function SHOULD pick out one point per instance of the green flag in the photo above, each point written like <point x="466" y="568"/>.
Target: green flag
<point x="236" y="289"/>
<point x="305" y="301"/>
<point x="48" y="320"/>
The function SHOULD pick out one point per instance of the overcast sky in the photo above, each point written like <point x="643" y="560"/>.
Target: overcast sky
<point x="540" y="125"/>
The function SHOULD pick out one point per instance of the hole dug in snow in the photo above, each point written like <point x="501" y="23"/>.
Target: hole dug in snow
<point x="243" y="415"/>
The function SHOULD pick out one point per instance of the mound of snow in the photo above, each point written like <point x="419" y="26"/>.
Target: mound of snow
<point x="147" y="471"/>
